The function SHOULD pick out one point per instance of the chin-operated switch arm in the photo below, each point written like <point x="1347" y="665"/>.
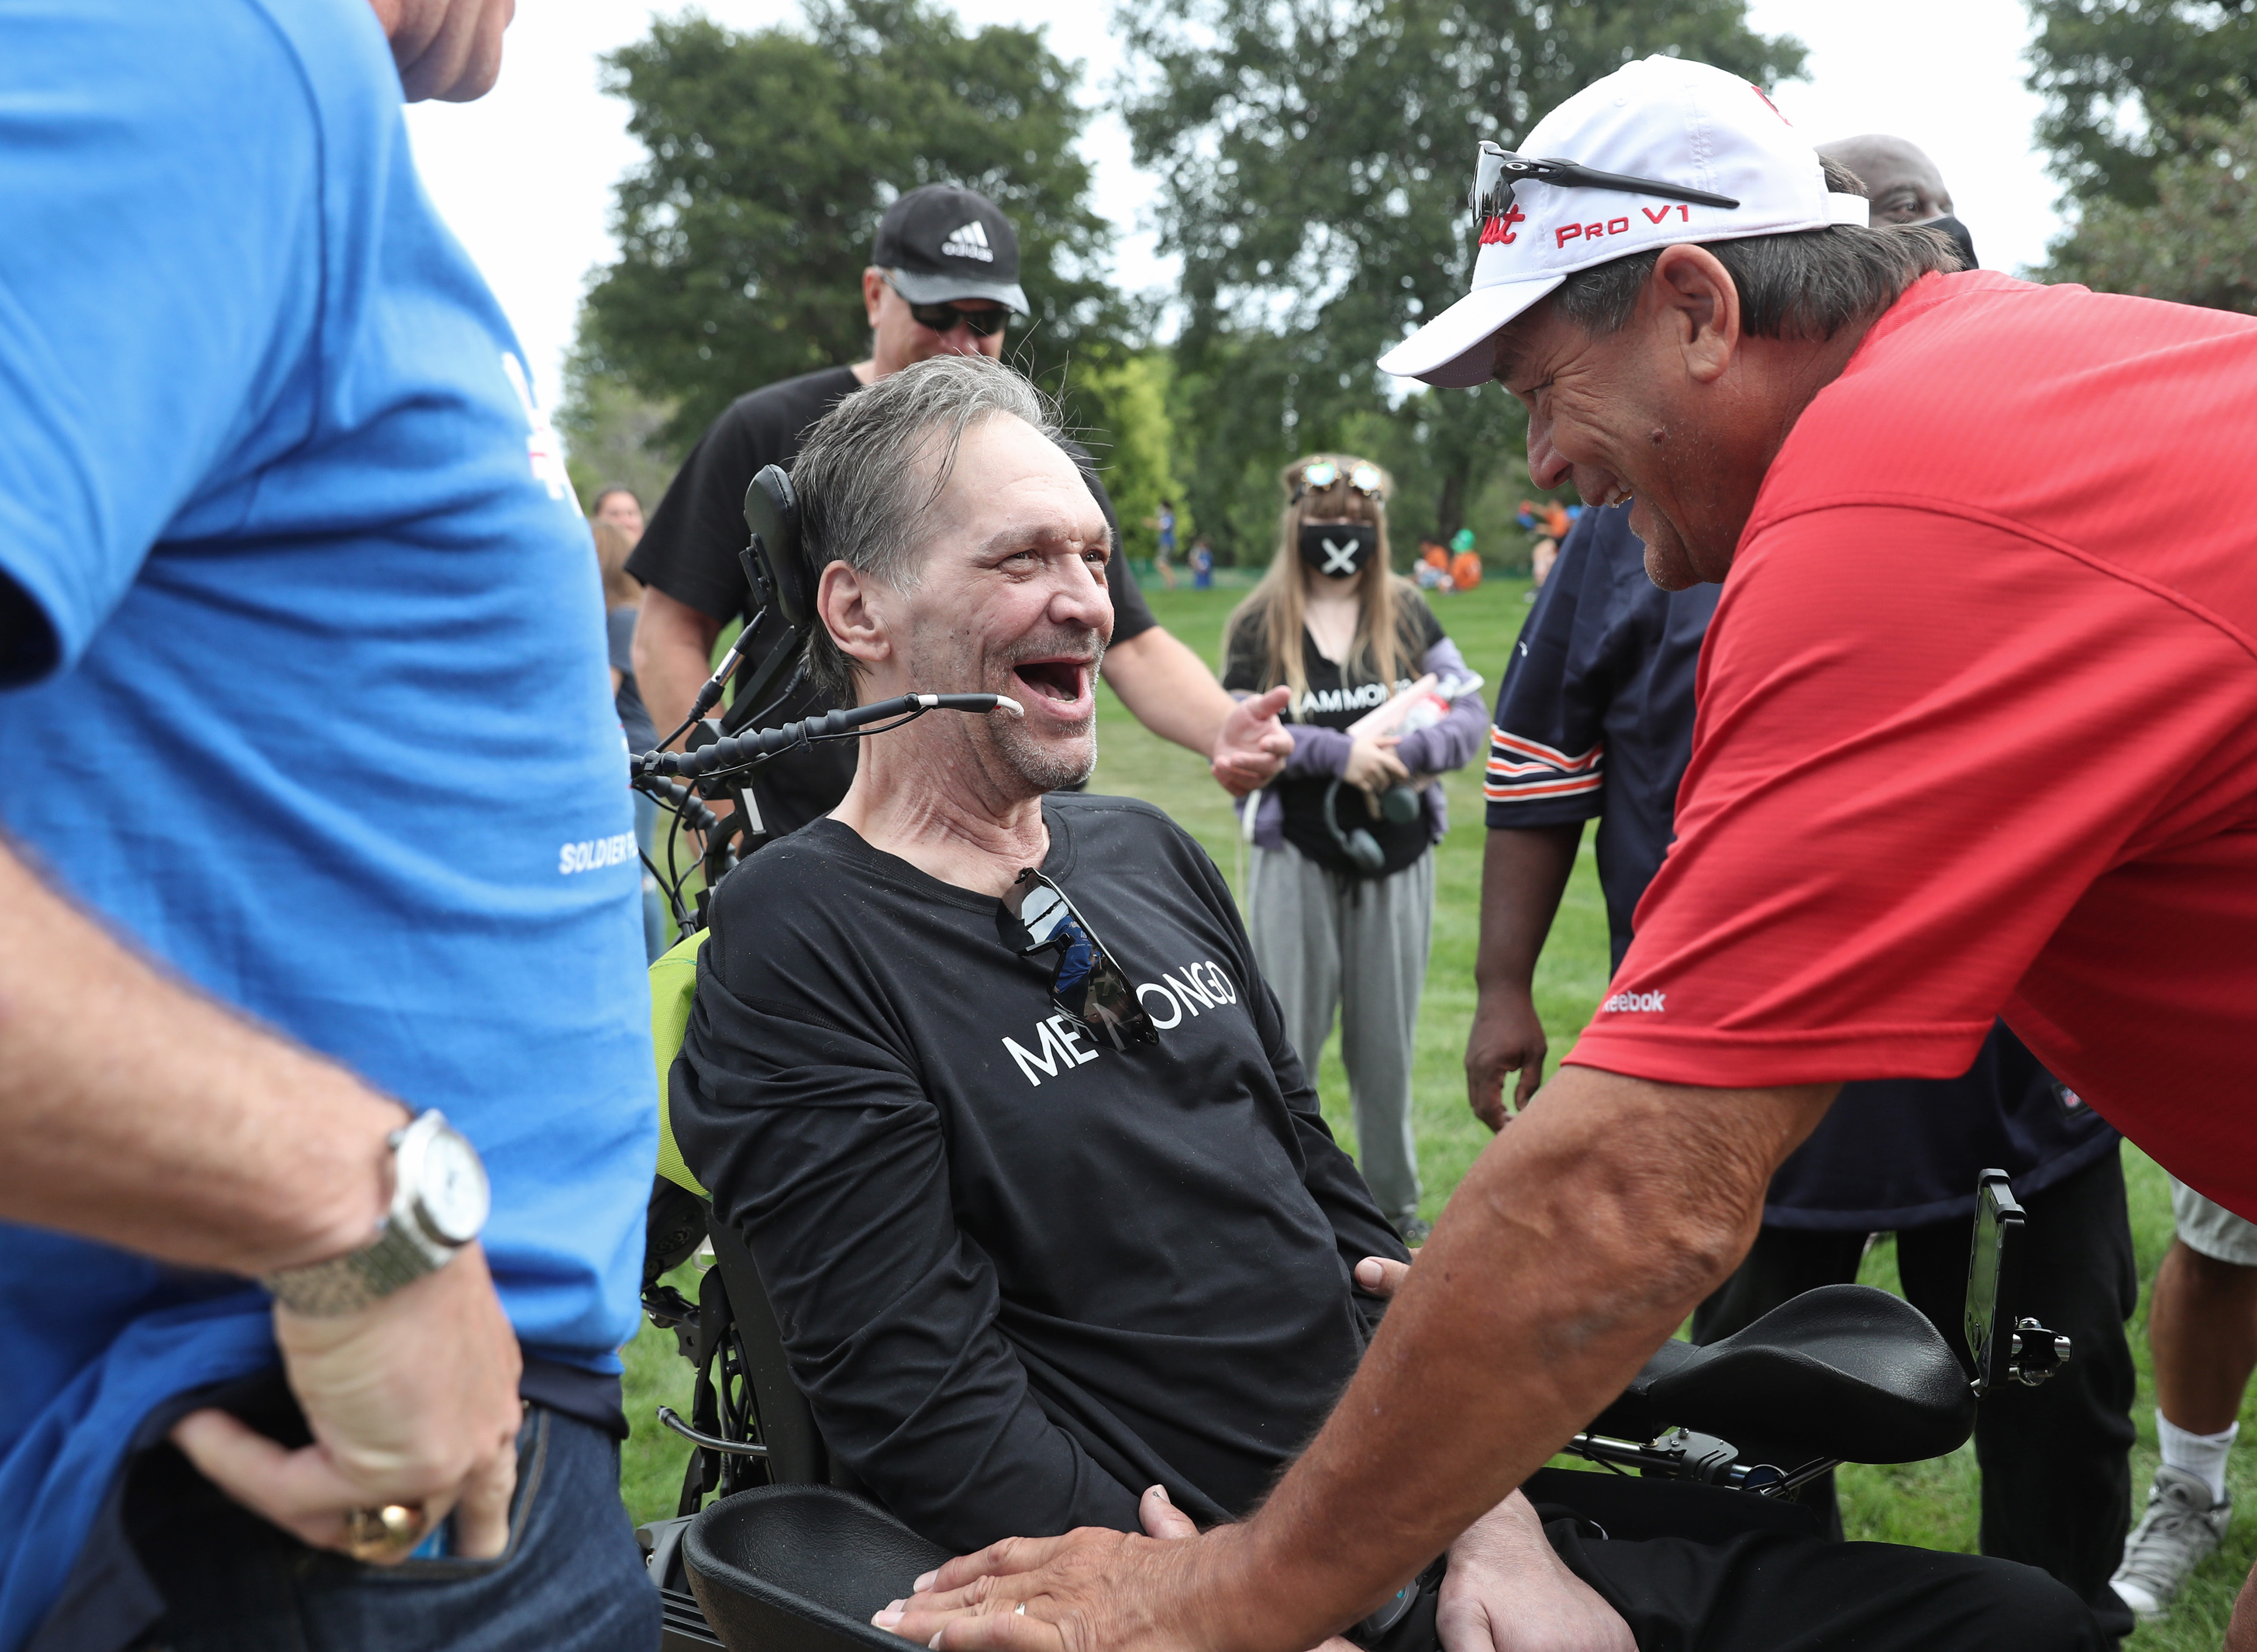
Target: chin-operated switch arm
<point x="741" y="752"/>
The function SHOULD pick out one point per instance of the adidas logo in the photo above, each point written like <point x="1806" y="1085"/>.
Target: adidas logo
<point x="969" y="242"/>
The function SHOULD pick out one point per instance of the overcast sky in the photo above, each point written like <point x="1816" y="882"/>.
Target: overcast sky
<point x="525" y="175"/>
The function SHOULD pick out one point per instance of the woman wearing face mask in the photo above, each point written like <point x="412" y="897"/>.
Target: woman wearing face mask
<point x="1341" y="892"/>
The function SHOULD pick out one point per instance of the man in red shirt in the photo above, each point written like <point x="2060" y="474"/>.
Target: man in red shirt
<point x="1972" y="740"/>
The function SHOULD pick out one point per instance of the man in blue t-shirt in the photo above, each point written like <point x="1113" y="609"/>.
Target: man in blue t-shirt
<point x="319" y="922"/>
<point x="1595" y="718"/>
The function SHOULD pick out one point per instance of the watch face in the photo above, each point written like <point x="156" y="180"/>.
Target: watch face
<point x="450" y="1192"/>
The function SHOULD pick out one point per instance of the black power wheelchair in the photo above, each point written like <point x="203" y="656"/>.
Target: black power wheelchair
<point x="791" y="1554"/>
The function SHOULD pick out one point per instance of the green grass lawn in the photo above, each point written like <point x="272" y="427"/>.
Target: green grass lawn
<point x="1930" y="1503"/>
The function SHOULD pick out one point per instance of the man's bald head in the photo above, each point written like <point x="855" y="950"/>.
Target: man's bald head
<point x="1903" y="182"/>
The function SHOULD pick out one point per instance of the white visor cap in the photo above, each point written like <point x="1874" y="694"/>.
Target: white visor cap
<point x="1663" y="118"/>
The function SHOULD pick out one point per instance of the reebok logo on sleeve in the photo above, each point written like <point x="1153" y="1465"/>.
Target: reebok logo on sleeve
<point x="1633" y="1002"/>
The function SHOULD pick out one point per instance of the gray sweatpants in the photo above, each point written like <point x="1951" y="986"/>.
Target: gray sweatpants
<point x="1327" y="941"/>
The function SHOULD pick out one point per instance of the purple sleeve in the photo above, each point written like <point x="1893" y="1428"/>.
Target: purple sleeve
<point x="1451" y="743"/>
<point x="1317" y="750"/>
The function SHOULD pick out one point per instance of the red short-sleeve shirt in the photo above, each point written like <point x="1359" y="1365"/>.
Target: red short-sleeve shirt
<point x="1977" y="731"/>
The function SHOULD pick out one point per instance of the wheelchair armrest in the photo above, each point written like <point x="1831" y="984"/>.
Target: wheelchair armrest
<point x="1843" y="1371"/>
<point x="802" y="1569"/>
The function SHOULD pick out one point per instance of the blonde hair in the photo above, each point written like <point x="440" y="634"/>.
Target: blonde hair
<point x="621" y="589"/>
<point x="1279" y="605"/>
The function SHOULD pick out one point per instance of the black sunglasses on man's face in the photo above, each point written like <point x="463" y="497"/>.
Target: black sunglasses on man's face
<point x="1088" y="984"/>
<point x="946" y="318"/>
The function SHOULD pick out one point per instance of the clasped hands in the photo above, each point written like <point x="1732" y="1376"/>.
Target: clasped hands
<point x="1096" y="1590"/>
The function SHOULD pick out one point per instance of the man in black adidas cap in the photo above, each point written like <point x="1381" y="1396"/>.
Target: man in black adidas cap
<point x="943" y="279"/>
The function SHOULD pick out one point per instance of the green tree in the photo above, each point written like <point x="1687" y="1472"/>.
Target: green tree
<point x="771" y="156"/>
<point x="2122" y="78"/>
<point x="2196" y="243"/>
<point x="614" y="437"/>
<point x="1124" y="398"/>
<point x="1313" y="159"/>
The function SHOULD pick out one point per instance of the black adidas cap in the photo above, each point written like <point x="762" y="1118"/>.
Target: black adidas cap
<point x="944" y="244"/>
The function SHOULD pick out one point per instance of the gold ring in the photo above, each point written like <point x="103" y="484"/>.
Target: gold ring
<point x="389" y="1533"/>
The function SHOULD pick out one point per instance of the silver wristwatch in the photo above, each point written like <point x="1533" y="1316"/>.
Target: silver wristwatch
<point x="439" y="1203"/>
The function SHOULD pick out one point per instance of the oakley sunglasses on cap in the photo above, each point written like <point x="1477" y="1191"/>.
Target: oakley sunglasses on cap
<point x="1317" y="478"/>
<point x="945" y="318"/>
<point x="1496" y="170"/>
<point x="1088" y="985"/>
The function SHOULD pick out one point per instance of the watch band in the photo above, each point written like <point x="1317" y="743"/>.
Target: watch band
<point x="403" y="1250"/>
<point x="346" y="1284"/>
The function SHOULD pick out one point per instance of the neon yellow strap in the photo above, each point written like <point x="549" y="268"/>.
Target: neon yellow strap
<point x="672" y="983"/>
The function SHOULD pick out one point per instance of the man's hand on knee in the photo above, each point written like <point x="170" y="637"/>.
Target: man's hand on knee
<point x="1506" y="1591"/>
<point x="413" y="1401"/>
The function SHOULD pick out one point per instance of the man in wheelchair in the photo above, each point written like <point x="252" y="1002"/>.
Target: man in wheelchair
<point x="986" y="1078"/>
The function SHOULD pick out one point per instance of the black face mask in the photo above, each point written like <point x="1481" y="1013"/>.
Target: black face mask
<point x="1956" y="232"/>
<point x="1338" y="549"/>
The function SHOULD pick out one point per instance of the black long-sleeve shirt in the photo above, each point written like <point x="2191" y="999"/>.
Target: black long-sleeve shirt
<point x="1022" y="1274"/>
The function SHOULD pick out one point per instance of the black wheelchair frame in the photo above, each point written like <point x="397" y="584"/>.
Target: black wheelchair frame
<point x="794" y="1556"/>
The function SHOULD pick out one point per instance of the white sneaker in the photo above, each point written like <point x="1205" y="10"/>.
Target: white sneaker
<point x="2180" y="1531"/>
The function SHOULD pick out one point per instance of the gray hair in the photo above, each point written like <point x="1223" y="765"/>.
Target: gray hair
<point x="874" y="466"/>
<point x="1807" y="284"/>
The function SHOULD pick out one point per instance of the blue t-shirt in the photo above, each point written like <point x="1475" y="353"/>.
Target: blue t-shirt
<point x="302" y="652"/>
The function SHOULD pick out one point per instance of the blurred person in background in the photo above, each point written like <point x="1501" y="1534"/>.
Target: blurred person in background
<point x="622" y="606"/>
<point x="1164" y="556"/>
<point x="1341" y="892"/>
<point x="326" y="1098"/>
<point x="1549" y="523"/>
<point x="622" y="508"/>
<point x="1202" y="564"/>
<point x="943" y="279"/>
<point x="2202" y="1332"/>
<point x="1465" y="570"/>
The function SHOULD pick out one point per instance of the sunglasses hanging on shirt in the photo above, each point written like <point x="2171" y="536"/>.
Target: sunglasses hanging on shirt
<point x="1086" y="984"/>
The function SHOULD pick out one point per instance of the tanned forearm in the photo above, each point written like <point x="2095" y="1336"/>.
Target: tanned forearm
<point x="1576" y="1246"/>
<point x="673" y="656"/>
<point x="139" y="1113"/>
<point x="1169" y="689"/>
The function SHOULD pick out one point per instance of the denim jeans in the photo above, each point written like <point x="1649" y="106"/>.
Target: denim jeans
<point x="571" y="1579"/>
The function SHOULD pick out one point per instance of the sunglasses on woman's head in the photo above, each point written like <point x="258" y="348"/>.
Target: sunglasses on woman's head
<point x="1365" y="478"/>
<point x="945" y="318"/>
<point x="1086" y="984"/>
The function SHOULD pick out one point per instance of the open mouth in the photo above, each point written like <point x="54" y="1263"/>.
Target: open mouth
<point x="1060" y="681"/>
